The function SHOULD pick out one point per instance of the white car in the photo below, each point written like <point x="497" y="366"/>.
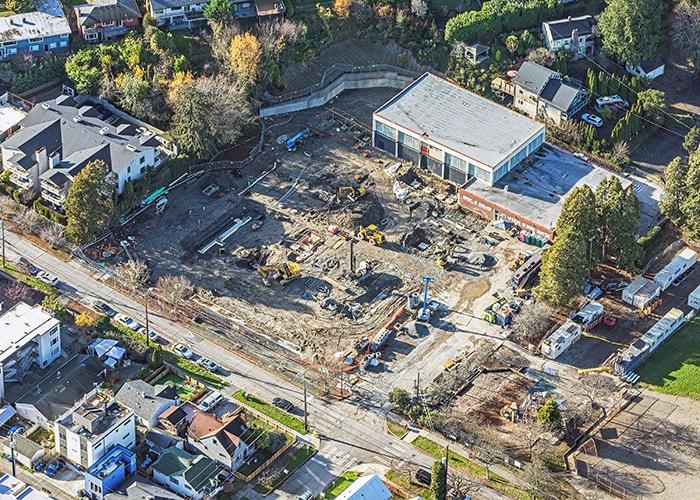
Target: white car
<point x="608" y="100"/>
<point x="128" y="322"/>
<point x="183" y="351"/>
<point x="594" y="120"/>
<point x="152" y="336"/>
<point x="47" y="278"/>
<point x="581" y="156"/>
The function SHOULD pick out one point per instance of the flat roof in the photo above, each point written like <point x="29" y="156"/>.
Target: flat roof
<point x="20" y="325"/>
<point x="11" y="487"/>
<point x="537" y="192"/>
<point x="10" y="116"/>
<point x="47" y="20"/>
<point x="460" y="121"/>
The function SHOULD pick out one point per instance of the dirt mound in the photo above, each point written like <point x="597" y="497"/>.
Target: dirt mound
<point x="366" y="211"/>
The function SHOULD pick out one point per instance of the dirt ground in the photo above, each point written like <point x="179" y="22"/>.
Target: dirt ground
<point x="650" y="449"/>
<point x="289" y="208"/>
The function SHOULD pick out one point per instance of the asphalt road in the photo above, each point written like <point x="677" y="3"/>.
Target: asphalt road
<point x="349" y="432"/>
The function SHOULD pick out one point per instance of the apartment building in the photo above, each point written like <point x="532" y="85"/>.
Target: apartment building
<point x="177" y="14"/>
<point x="92" y="428"/>
<point x="29" y="338"/>
<point x="58" y="138"/>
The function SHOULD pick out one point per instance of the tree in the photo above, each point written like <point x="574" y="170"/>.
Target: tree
<point x="618" y="211"/>
<point x="532" y="322"/>
<point x="20" y="6"/>
<point x="632" y="29"/>
<point x="134" y="92"/>
<point x="209" y="113"/>
<point x="28" y="220"/>
<point x="675" y="190"/>
<point x="690" y="207"/>
<point x="653" y="105"/>
<point x="399" y="397"/>
<point x="174" y="289"/>
<point x="542" y="56"/>
<point x="51" y="304"/>
<point x="90" y="203"/>
<point x="536" y="473"/>
<point x="564" y="269"/>
<point x="85" y="322"/>
<point x="512" y="43"/>
<point x="84" y="70"/>
<point x="685" y="29"/>
<point x="598" y="389"/>
<point x="53" y="234"/>
<point x="132" y="273"/>
<point x="342" y="8"/>
<point x="459" y="485"/>
<point x="577" y="216"/>
<point x="549" y="413"/>
<point x="17" y="292"/>
<point x="245" y="56"/>
<point x="181" y="64"/>
<point x="218" y="11"/>
<point x="156" y="356"/>
<point x="438" y="483"/>
<point x="691" y="142"/>
<point x="419" y="8"/>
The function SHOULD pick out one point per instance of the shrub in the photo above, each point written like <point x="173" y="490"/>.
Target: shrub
<point x="646" y="240"/>
<point x="44" y="72"/>
<point x="50" y="214"/>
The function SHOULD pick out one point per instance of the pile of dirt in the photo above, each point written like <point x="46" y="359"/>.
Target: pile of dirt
<point x="366" y="211"/>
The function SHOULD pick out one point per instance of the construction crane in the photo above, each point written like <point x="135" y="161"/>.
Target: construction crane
<point x="283" y="273"/>
<point x="424" y="313"/>
<point x="370" y="233"/>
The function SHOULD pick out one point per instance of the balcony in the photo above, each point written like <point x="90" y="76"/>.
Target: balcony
<point x="53" y="198"/>
<point x="21" y="181"/>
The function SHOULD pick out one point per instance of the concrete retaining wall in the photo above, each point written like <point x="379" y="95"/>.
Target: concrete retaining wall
<point x="347" y="81"/>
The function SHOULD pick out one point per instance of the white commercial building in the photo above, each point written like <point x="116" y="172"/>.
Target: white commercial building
<point x="92" y="427"/>
<point x="694" y="298"/>
<point x="641" y="292"/>
<point x="454" y="133"/>
<point x="29" y="337"/>
<point x="673" y="270"/>
<point x="561" y="339"/>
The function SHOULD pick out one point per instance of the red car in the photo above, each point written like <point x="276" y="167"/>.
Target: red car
<point x="610" y="320"/>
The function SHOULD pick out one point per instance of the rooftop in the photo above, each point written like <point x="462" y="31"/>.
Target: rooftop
<point x="94" y="415"/>
<point x="562" y="28"/>
<point x="366" y="488"/>
<point x="143" y="398"/>
<point x="537" y="192"/>
<point x="460" y="121"/>
<point x="20" y="325"/>
<point x="116" y="457"/>
<point x="9" y="115"/>
<point x="47" y="20"/>
<point x="547" y="84"/>
<point x="11" y="487"/>
<point x="137" y="487"/>
<point x="106" y="11"/>
<point x="229" y="434"/>
<point x="201" y="472"/>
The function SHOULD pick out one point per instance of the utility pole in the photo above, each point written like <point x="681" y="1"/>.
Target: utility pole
<point x="417" y="386"/>
<point x="12" y="451"/>
<point x="2" y="236"/>
<point x="352" y="256"/>
<point x="148" y="326"/>
<point x="306" y="413"/>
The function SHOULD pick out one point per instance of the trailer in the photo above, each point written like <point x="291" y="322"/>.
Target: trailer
<point x="674" y="269"/>
<point x="589" y="316"/>
<point x="561" y="339"/>
<point x="641" y="292"/>
<point x="694" y="299"/>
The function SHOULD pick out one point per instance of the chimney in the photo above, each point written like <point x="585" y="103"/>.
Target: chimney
<point x="42" y="159"/>
<point x="568" y="18"/>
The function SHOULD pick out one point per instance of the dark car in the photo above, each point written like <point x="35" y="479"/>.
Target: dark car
<point x="423" y="476"/>
<point x="28" y="266"/>
<point x="53" y="468"/>
<point x="103" y="308"/>
<point x="283" y="404"/>
<point x="40" y="467"/>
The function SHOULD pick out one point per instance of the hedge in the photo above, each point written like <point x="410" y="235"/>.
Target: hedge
<point x="44" y="72"/>
<point x="646" y="240"/>
<point x="50" y="214"/>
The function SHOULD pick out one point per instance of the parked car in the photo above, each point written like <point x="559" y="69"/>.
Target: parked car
<point x="39" y="467"/>
<point x="48" y="278"/>
<point x="28" y="266"/>
<point x="581" y="156"/>
<point x="103" y="308"/>
<point x="15" y="429"/>
<point x="611" y="100"/>
<point x="208" y="364"/>
<point x="594" y="120"/>
<point x="210" y="402"/>
<point x="283" y="404"/>
<point x="53" y="468"/>
<point x="128" y="322"/>
<point x="307" y="495"/>
<point x="423" y="476"/>
<point x="183" y="350"/>
<point x="152" y="336"/>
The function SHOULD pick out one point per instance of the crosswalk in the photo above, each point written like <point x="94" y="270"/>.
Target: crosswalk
<point x="335" y="457"/>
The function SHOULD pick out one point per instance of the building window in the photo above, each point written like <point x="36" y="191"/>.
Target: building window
<point x="410" y="141"/>
<point x="40" y="39"/>
<point x="143" y="170"/>
<point x="54" y="341"/>
<point x="128" y="169"/>
<point x="56" y="351"/>
<point x="142" y="159"/>
<point x="174" y="480"/>
<point x="483" y="174"/>
<point x="455" y="162"/>
<point x="385" y="130"/>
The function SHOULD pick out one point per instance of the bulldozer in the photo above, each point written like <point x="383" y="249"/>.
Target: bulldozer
<point x="283" y="273"/>
<point x="350" y="192"/>
<point x="370" y="233"/>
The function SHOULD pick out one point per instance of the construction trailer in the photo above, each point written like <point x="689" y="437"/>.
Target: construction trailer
<point x="641" y="292"/>
<point x="528" y="268"/>
<point x="694" y="299"/>
<point x="674" y="269"/>
<point x="561" y="339"/>
<point x="588" y="317"/>
<point x="642" y="348"/>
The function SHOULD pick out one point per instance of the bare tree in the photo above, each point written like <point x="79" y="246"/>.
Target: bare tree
<point x="567" y="131"/>
<point x="599" y="390"/>
<point x="274" y="35"/>
<point x="174" y="289"/>
<point x="536" y="472"/>
<point x="8" y="207"/>
<point x="532" y="436"/>
<point x="532" y="322"/>
<point x="53" y="234"/>
<point x="28" y="220"/>
<point x="327" y="375"/>
<point x="543" y="56"/>
<point x="133" y="273"/>
<point x="459" y="485"/>
<point x="17" y="292"/>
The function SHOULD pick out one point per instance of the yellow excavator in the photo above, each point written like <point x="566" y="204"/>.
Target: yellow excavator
<point x="370" y="233"/>
<point x="351" y="193"/>
<point x="597" y="369"/>
<point x="283" y="273"/>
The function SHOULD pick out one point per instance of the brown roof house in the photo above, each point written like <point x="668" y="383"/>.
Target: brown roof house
<point x="230" y="443"/>
<point x="176" y="418"/>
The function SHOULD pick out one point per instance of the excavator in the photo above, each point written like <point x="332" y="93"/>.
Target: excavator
<point x="370" y="233"/>
<point x="352" y="193"/>
<point x="597" y="369"/>
<point x="284" y="273"/>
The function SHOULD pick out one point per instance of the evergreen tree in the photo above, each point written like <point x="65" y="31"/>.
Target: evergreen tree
<point x="632" y="29"/>
<point x="90" y="203"/>
<point x="577" y="216"/>
<point x="618" y="211"/>
<point x="564" y="269"/>
<point x="691" y="142"/>
<point x="592" y="82"/>
<point x="438" y="484"/>
<point x="675" y="190"/>
<point x="602" y="83"/>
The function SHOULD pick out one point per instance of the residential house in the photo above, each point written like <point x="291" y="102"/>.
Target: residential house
<point x="177" y="14"/>
<point x="192" y="476"/>
<point x="224" y="442"/>
<point x="269" y="9"/>
<point x="58" y="138"/>
<point x="176" y="419"/>
<point x="138" y="487"/>
<point x="244" y="9"/>
<point x="43" y="31"/>
<point x="105" y="20"/>
<point x="11" y="487"/>
<point x="92" y="428"/>
<point x="12" y="110"/>
<point x="476" y="53"/>
<point x="545" y="95"/>
<point x="648" y="69"/>
<point x="146" y="401"/>
<point x="573" y="34"/>
<point x="158" y="441"/>
<point x="27" y="452"/>
<point x="30" y="338"/>
<point x="109" y="472"/>
<point x="366" y="488"/>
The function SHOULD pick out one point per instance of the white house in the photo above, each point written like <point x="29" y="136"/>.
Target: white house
<point x="177" y="14"/>
<point x="92" y="427"/>
<point x="224" y="442"/>
<point x="146" y="401"/>
<point x="649" y="68"/>
<point x="29" y="338"/>
<point x="574" y="34"/>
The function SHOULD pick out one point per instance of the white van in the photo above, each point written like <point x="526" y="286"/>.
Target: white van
<point x="210" y="402"/>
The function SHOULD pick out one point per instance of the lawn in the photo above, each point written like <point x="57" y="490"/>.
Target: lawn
<point x="271" y="411"/>
<point x="289" y="462"/>
<point x="401" y="480"/>
<point x="182" y="388"/>
<point x="675" y="366"/>
<point x="340" y="484"/>
<point x="40" y="435"/>
<point x="397" y="430"/>
<point x="266" y="450"/>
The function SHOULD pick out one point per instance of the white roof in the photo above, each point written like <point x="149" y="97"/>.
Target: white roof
<point x="6" y="413"/>
<point x="366" y="488"/>
<point x="695" y="294"/>
<point x="680" y="261"/>
<point x="458" y="120"/>
<point x="9" y="116"/>
<point x="11" y="487"/>
<point x="47" y="20"/>
<point x="641" y="285"/>
<point x="20" y="325"/>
